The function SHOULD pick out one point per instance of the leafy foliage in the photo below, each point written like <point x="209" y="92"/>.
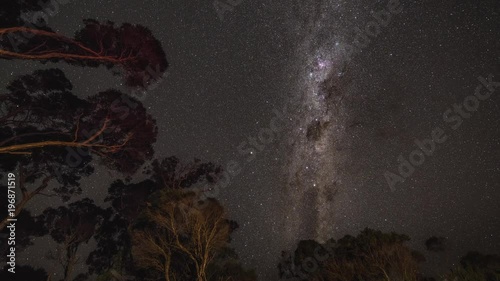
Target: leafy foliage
<point x="475" y="266"/>
<point x="70" y="227"/>
<point x="132" y="49"/>
<point x="53" y="135"/>
<point x="372" y="255"/>
<point x="130" y="200"/>
<point x="436" y="244"/>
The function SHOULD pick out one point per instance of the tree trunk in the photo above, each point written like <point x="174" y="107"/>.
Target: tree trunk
<point x="167" y="271"/>
<point x="26" y="197"/>
<point x="67" y="272"/>
<point x="70" y="261"/>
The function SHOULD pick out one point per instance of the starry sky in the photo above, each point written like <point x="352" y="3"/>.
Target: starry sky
<point x="316" y="103"/>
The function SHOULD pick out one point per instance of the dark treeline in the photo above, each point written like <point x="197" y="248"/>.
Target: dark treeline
<point x="376" y="256"/>
<point x="158" y="229"/>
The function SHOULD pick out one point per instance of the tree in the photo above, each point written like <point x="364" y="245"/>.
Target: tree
<point x="27" y="227"/>
<point x="227" y="267"/>
<point x="11" y="12"/>
<point x="128" y="200"/>
<point x="372" y="255"/>
<point x="435" y="244"/>
<point x="132" y="48"/>
<point x="51" y="134"/>
<point x="176" y="228"/>
<point x="38" y="115"/>
<point x="103" y="123"/>
<point x="52" y="137"/>
<point x="70" y="227"/>
<point x="171" y="173"/>
<point x="476" y="266"/>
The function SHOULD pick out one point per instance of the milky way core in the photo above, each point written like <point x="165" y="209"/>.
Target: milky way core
<point x="315" y="135"/>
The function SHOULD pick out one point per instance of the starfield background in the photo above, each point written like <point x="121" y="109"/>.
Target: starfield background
<point x="220" y="140"/>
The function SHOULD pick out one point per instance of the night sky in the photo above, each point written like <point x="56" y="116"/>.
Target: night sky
<point x="320" y="174"/>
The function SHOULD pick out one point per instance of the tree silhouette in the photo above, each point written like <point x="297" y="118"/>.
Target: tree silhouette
<point x="371" y="255"/>
<point x="102" y="123"/>
<point x="178" y="239"/>
<point x="227" y="266"/>
<point x="129" y="200"/>
<point x="436" y="244"/>
<point x="51" y="134"/>
<point x="26" y="229"/>
<point x="132" y="48"/>
<point x="171" y="173"/>
<point x="476" y="266"/>
<point x="11" y="12"/>
<point x="70" y="227"/>
<point x="51" y="137"/>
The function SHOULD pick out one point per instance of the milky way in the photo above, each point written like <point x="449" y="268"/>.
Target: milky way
<point x="314" y="156"/>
